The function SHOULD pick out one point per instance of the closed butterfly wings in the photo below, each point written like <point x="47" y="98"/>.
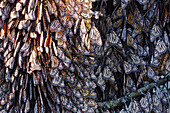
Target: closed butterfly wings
<point x="114" y="39"/>
<point x="155" y="32"/>
<point x="161" y="47"/>
<point x="130" y="41"/>
<point x="138" y="17"/>
<point x="129" y="67"/>
<point x="118" y="13"/>
<point x="137" y="60"/>
<point x="95" y="36"/>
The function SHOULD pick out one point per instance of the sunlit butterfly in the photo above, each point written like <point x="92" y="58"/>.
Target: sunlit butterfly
<point x="161" y="47"/>
<point x="155" y="32"/>
<point x="55" y="26"/>
<point x="95" y="36"/>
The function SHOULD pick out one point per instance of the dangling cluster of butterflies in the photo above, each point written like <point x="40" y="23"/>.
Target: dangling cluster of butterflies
<point x="46" y="61"/>
<point x="66" y="55"/>
<point x="135" y="50"/>
<point x="153" y="101"/>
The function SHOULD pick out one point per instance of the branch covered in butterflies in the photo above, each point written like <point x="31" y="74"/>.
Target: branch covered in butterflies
<point x="139" y="92"/>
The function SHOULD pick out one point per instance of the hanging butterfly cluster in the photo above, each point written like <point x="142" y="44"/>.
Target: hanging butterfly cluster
<point x="135" y="50"/>
<point x="46" y="57"/>
<point x="153" y="101"/>
<point x="58" y="55"/>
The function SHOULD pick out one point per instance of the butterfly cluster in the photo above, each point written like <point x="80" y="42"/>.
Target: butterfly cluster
<point x="153" y="101"/>
<point x="67" y="55"/>
<point x="46" y="60"/>
<point x="135" y="47"/>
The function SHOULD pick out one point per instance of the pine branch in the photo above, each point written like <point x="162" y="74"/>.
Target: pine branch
<point x="139" y="92"/>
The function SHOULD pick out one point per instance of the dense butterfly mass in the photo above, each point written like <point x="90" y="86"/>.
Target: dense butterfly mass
<point x="68" y="55"/>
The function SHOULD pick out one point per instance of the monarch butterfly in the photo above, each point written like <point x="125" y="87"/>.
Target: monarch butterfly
<point x="14" y="14"/>
<point x="131" y="41"/>
<point x="101" y="82"/>
<point x="98" y="51"/>
<point x="130" y="84"/>
<point x="155" y="100"/>
<point x="136" y="59"/>
<point x="95" y="36"/>
<point x="131" y="19"/>
<point x="137" y="30"/>
<point x="107" y="73"/>
<point x="155" y="32"/>
<point x="141" y="51"/>
<point x="134" y="107"/>
<point x="118" y="13"/>
<point x="109" y="63"/>
<point x="144" y="104"/>
<point x="154" y="61"/>
<point x="127" y="67"/>
<point x="85" y="92"/>
<point x="114" y="39"/>
<point x="160" y="47"/>
<point x="118" y="23"/>
<point x="152" y="74"/>
<point x="138" y="17"/>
